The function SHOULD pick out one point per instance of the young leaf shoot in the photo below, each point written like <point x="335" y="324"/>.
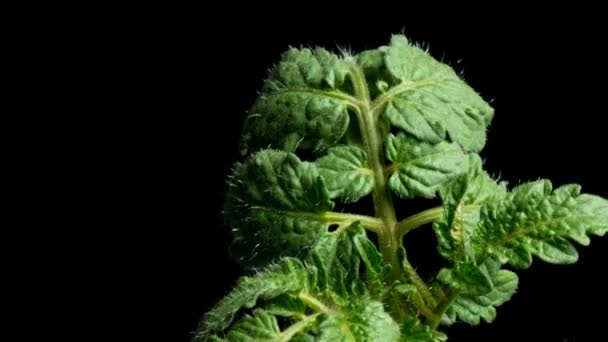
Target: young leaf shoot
<point x="394" y="124"/>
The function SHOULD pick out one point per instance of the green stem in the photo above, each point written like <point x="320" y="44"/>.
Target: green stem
<point x="421" y="306"/>
<point x="295" y="328"/>
<point x="351" y="101"/>
<point x="394" y="305"/>
<point x="315" y="304"/>
<point x="380" y="101"/>
<point x="390" y="235"/>
<point x="383" y="201"/>
<point x="424" y="217"/>
<point x="418" y="220"/>
<point x="418" y="282"/>
<point x="442" y="307"/>
<point x="370" y="223"/>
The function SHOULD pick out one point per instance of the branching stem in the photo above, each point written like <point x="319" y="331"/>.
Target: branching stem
<point x="295" y="328"/>
<point x="442" y="307"/>
<point x="315" y="304"/>
<point x="418" y="220"/>
<point x="390" y="233"/>
<point x="383" y="201"/>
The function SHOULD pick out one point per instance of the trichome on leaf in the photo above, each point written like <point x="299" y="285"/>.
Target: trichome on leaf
<point x="394" y="124"/>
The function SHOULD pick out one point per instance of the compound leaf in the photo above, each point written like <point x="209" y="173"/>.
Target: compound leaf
<point x="536" y="220"/>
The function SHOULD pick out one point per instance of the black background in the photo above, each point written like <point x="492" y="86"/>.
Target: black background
<point x="188" y="80"/>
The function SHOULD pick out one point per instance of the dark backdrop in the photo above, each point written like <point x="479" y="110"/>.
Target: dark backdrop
<point x="192" y="79"/>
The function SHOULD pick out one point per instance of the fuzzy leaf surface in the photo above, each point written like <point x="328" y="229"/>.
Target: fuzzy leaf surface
<point x="346" y="172"/>
<point x="420" y="169"/>
<point x="301" y="105"/>
<point x="275" y="207"/>
<point x="462" y="202"/>
<point x="287" y="276"/>
<point x="428" y="100"/>
<point x="535" y="219"/>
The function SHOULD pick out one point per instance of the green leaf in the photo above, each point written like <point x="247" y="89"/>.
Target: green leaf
<point x="474" y="187"/>
<point x="462" y="200"/>
<point x="466" y="278"/>
<point x="373" y="66"/>
<point x="275" y="206"/>
<point x="288" y="275"/>
<point x="280" y="205"/>
<point x="301" y="106"/>
<point x="409" y="63"/>
<point x="413" y="331"/>
<point x="409" y="299"/>
<point x="471" y="308"/>
<point x="360" y="321"/>
<point x="286" y="306"/>
<point x="430" y="100"/>
<point x="420" y="168"/>
<point x="337" y="261"/>
<point x="301" y="68"/>
<point x="536" y="220"/>
<point x="262" y="326"/>
<point x="376" y="272"/>
<point x="346" y="173"/>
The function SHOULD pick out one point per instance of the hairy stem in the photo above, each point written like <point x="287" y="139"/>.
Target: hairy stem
<point x="422" y="307"/>
<point x="419" y="283"/>
<point x="442" y="307"/>
<point x="389" y="237"/>
<point x="315" y="304"/>
<point x="371" y="137"/>
<point x="326" y="93"/>
<point x="418" y="220"/>
<point x="383" y="201"/>
<point x="378" y="105"/>
<point x="370" y="223"/>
